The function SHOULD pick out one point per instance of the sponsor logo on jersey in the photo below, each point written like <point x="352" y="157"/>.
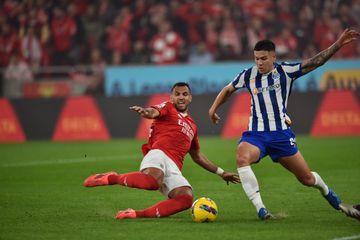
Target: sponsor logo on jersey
<point x="186" y="129"/>
<point x="268" y="88"/>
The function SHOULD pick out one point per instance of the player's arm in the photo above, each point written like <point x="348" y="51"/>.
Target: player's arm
<point x="149" y="113"/>
<point x="204" y="162"/>
<point x="223" y="95"/>
<point x="319" y="59"/>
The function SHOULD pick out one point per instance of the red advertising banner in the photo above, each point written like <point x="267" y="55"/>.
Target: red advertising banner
<point x="10" y="129"/>
<point x="47" y="89"/>
<point x="238" y="116"/>
<point x="143" y="128"/>
<point x="80" y="119"/>
<point x="338" y="114"/>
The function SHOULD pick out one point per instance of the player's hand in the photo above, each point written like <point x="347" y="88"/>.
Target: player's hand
<point x="214" y="117"/>
<point x="140" y="110"/>
<point x="348" y="36"/>
<point x="230" y="177"/>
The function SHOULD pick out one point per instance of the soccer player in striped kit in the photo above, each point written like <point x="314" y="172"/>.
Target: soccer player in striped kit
<point x="269" y="132"/>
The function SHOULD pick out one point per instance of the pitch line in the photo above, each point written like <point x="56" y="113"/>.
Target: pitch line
<point x="71" y="160"/>
<point x="348" y="238"/>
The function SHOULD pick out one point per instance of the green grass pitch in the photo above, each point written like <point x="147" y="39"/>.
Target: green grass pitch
<point x="42" y="196"/>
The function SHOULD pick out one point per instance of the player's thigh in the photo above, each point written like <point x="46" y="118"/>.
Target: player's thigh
<point x="174" y="181"/>
<point x="156" y="173"/>
<point x="299" y="167"/>
<point x="247" y="154"/>
<point x="154" y="164"/>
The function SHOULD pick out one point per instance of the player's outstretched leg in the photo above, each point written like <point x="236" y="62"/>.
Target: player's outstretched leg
<point x="161" y="209"/>
<point x="334" y="200"/>
<point x="135" y="180"/>
<point x="132" y="179"/>
<point x="327" y="192"/>
<point x="351" y="210"/>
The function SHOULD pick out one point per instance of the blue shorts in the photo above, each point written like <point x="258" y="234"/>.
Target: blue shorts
<point x="276" y="144"/>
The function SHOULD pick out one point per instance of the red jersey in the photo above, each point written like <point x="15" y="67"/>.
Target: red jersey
<point x="172" y="132"/>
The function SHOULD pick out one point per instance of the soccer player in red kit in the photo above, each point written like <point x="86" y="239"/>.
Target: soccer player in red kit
<point x="173" y="134"/>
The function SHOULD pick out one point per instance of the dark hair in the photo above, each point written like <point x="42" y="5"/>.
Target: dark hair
<point x="181" y="84"/>
<point x="264" y="45"/>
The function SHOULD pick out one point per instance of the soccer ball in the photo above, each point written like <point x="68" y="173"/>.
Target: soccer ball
<point x="204" y="210"/>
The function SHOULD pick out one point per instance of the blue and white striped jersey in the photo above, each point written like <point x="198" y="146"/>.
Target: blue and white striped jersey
<point x="269" y="94"/>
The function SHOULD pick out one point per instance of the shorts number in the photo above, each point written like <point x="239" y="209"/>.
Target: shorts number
<point x="292" y="141"/>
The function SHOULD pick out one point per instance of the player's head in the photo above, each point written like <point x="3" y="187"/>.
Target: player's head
<point x="264" y="54"/>
<point x="181" y="96"/>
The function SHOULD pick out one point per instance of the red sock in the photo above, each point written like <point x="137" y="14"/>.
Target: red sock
<point x="167" y="207"/>
<point x="135" y="180"/>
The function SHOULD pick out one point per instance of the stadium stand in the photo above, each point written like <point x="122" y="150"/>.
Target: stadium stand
<point x="93" y="34"/>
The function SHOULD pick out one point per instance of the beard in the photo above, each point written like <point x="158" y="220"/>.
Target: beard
<point x="182" y="109"/>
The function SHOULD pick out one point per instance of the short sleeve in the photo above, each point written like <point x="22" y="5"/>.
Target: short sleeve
<point x="293" y="70"/>
<point x="239" y="80"/>
<point x="162" y="108"/>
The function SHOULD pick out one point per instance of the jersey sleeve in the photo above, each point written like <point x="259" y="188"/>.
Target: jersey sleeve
<point x="162" y="108"/>
<point x="239" y="80"/>
<point x="293" y="70"/>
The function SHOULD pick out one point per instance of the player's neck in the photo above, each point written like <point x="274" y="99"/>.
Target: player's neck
<point x="184" y="114"/>
<point x="268" y="72"/>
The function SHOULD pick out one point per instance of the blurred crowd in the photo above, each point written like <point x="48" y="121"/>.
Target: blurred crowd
<point x="40" y="33"/>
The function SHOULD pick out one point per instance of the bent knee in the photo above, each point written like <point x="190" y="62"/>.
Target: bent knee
<point x="186" y="200"/>
<point x="307" y="180"/>
<point x="246" y="154"/>
<point x="242" y="160"/>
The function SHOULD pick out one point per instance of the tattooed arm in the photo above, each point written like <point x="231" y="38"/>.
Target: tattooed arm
<point x="319" y="59"/>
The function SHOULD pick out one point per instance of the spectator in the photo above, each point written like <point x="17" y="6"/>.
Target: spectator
<point x="348" y="51"/>
<point x="257" y="8"/>
<point x="212" y="37"/>
<point x="176" y="17"/>
<point x="286" y="44"/>
<point x="9" y="44"/>
<point x="345" y="16"/>
<point x="229" y="39"/>
<point x="140" y="53"/>
<point x="355" y="11"/>
<point x="139" y="29"/>
<point x="77" y="50"/>
<point x="31" y="49"/>
<point x="309" y="51"/>
<point x="17" y="73"/>
<point x="331" y="34"/>
<point x="284" y="11"/>
<point x="322" y="26"/>
<point x="95" y="85"/>
<point x="167" y="45"/>
<point x="93" y="28"/>
<point x="79" y="79"/>
<point x="200" y="55"/>
<point x="193" y="14"/>
<point x="39" y="20"/>
<point x="118" y="40"/>
<point x="63" y="30"/>
<point x="303" y="32"/>
<point x="116" y="27"/>
<point x="255" y="32"/>
<point x="89" y="80"/>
